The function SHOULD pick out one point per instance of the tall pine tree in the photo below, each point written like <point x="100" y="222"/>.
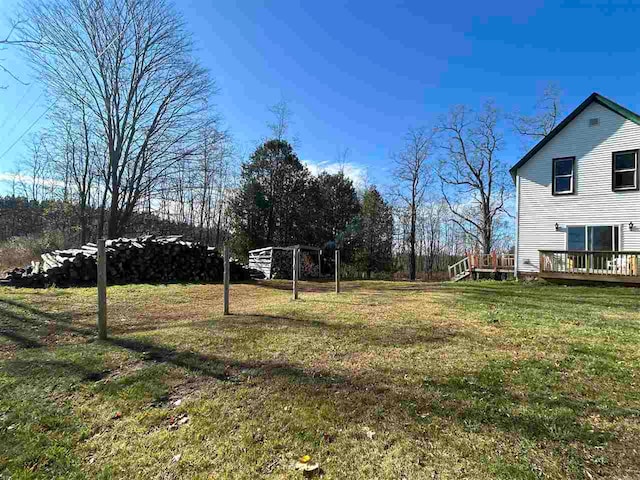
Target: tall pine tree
<point x="374" y="253"/>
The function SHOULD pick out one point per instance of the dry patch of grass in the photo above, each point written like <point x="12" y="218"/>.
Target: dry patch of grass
<point x="386" y="380"/>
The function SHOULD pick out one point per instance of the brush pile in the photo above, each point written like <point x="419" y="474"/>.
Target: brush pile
<point x="129" y="260"/>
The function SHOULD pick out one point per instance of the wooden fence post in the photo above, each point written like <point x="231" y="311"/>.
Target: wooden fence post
<point x="102" y="289"/>
<point x="226" y="276"/>
<point x="296" y="260"/>
<point x="337" y="262"/>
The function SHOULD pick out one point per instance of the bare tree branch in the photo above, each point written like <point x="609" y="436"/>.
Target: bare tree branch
<point x="472" y="178"/>
<point x="128" y="66"/>
<point x="412" y="175"/>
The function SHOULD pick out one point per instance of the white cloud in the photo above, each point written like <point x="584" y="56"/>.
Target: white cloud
<point x="8" y="177"/>
<point x="357" y="173"/>
<point x="24" y="179"/>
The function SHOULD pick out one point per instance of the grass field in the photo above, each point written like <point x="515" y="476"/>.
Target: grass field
<point x="384" y="381"/>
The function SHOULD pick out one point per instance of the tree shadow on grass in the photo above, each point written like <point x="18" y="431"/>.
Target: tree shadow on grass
<point x="475" y="400"/>
<point x="363" y="335"/>
<point x="46" y="369"/>
<point x="351" y="286"/>
<point x="30" y="327"/>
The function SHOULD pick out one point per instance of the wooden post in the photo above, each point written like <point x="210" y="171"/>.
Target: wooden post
<point x="226" y="277"/>
<point x="295" y="272"/>
<point x="337" y="262"/>
<point x="102" y="290"/>
<point x="319" y="263"/>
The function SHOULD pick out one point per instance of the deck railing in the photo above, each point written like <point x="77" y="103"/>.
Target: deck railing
<point x="484" y="262"/>
<point x="579" y="262"/>
<point x="492" y="261"/>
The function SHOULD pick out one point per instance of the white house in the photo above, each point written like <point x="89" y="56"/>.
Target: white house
<point x="577" y="197"/>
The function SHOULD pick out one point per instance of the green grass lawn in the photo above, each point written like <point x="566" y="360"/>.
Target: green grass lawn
<point x="384" y="381"/>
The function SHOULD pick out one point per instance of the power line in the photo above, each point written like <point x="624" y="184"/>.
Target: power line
<point x="115" y="37"/>
<point x="16" y="107"/>
<point x="28" y="129"/>
<point x="26" y="112"/>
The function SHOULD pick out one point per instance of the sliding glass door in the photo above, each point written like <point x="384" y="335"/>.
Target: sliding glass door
<point x="591" y="238"/>
<point x="602" y="238"/>
<point x="598" y="238"/>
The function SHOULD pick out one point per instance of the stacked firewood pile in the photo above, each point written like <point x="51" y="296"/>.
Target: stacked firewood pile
<point x="129" y="260"/>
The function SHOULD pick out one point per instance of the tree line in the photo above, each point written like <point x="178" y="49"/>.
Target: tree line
<point x="134" y="144"/>
<point x="280" y="203"/>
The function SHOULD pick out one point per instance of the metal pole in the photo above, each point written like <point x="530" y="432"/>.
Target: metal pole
<point x="337" y="262"/>
<point x="295" y="273"/>
<point x="102" y="290"/>
<point x="226" y="277"/>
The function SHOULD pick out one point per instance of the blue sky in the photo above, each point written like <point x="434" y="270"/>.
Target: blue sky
<point x="358" y="74"/>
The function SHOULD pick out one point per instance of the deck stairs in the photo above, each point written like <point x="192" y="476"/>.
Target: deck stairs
<point x="482" y="263"/>
<point x="460" y="270"/>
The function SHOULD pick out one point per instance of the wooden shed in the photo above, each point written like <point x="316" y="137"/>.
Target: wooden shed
<point x="277" y="262"/>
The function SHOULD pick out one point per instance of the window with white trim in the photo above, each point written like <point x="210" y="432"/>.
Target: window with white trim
<point x="563" y="175"/>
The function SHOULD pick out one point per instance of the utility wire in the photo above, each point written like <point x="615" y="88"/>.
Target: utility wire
<point x="115" y="37"/>
<point x="28" y="129"/>
<point x="26" y="112"/>
<point x="16" y="107"/>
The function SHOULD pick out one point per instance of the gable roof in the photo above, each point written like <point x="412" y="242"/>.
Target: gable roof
<point x="594" y="97"/>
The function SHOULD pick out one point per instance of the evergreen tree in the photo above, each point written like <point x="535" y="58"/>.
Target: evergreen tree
<point x="374" y="253"/>
<point x="336" y="209"/>
<point x="270" y="208"/>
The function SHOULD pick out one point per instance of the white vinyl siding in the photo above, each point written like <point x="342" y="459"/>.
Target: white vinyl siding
<point x="593" y="201"/>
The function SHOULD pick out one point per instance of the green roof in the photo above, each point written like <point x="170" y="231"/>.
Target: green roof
<point x="594" y="97"/>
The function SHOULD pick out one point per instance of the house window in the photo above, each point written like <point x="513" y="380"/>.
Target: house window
<point x="563" y="175"/>
<point x="625" y="170"/>
<point x="599" y="238"/>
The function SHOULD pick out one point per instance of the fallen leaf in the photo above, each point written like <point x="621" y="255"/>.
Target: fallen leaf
<point x="176" y="458"/>
<point x="117" y="415"/>
<point x="304" y="459"/>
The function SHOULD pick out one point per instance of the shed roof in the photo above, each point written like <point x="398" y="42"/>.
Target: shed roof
<point x="301" y="247"/>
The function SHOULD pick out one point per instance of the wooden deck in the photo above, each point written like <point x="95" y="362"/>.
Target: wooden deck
<point x="594" y="266"/>
<point x="481" y="263"/>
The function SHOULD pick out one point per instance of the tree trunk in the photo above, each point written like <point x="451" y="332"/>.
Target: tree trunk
<point x="412" y="245"/>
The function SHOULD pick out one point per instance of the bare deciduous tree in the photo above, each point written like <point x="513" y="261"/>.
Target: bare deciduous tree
<point x="548" y="112"/>
<point x="129" y="65"/>
<point x="472" y="177"/>
<point x="76" y="164"/>
<point x="282" y="122"/>
<point x="34" y="172"/>
<point x="10" y="40"/>
<point x="412" y="174"/>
